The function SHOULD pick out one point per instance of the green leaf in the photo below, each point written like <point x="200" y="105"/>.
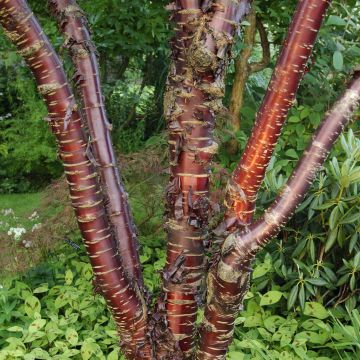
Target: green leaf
<point x="271" y="297"/>
<point x="335" y="20"/>
<point x="315" y="310"/>
<point x="32" y="306"/>
<point x="302" y="296"/>
<point x="90" y="348"/>
<point x="331" y="239"/>
<point x="292" y="297"/>
<point x="72" y="336"/>
<point x="235" y="355"/>
<point x="262" y="269"/>
<point x="273" y="322"/>
<point x="41" y="289"/>
<point x="69" y="277"/>
<point x="114" y="355"/>
<point x="36" y="325"/>
<point x="15" y="329"/>
<point x="40" y="354"/>
<point x="338" y="60"/>
<point x="292" y="154"/>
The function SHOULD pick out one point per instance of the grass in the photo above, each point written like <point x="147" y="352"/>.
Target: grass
<point x="22" y="204"/>
<point x="17" y="211"/>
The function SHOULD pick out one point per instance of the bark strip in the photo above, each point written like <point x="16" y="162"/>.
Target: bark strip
<point x="250" y="171"/>
<point x="74" y="25"/>
<point x="124" y="301"/>
<point x="193" y="97"/>
<point x="229" y="278"/>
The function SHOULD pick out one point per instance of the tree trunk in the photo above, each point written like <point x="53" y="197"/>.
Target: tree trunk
<point x="124" y="301"/>
<point x="229" y="277"/>
<point x="193" y="97"/>
<point x="73" y="23"/>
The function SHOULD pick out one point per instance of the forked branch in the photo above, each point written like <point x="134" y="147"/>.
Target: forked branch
<point x="124" y="301"/>
<point x="229" y="277"/>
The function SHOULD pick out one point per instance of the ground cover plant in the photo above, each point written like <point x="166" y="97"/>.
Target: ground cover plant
<point x="207" y="264"/>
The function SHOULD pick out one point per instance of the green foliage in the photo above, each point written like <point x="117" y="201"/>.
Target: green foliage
<point x="28" y="158"/>
<point x="41" y="320"/>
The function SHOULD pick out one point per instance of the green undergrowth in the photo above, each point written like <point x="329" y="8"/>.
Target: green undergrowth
<point x="52" y="312"/>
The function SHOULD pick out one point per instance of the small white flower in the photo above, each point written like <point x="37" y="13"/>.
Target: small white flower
<point x="1" y="287"/>
<point x="27" y="244"/>
<point x="36" y="227"/>
<point x="7" y="212"/>
<point x="34" y="216"/>
<point x="16" y="232"/>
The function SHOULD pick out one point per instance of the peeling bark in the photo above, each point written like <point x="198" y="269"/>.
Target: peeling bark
<point x="229" y="277"/>
<point x="279" y="97"/>
<point x="74" y="25"/>
<point x="193" y="97"/>
<point x="124" y="300"/>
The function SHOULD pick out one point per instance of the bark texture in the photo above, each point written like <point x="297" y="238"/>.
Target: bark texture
<point x="73" y="24"/>
<point x="124" y="301"/>
<point x="193" y="97"/>
<point x="229" y="277"/>
<point x="249" y="173"/>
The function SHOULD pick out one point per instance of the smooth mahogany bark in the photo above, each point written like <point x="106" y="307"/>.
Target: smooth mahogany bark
<point x="200" y="55"/>
<point x="280" y="96"/>
<point x="229" y="277"/>
<point x="74" y="25"/>
<point x="124" y="301"/>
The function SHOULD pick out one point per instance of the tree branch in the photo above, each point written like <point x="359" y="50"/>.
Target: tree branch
<point x="193" y="97"/>
<point x="265" y="45"/>
<point x="289" y="70"/>
<point x="229" y="277"/>
<point x="74" y="25"/>
<point x="124" y="301"/>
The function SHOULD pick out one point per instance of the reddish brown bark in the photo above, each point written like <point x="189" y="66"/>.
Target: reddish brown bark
<point x="73" y="23"/>
<point x="250" y="171"/>
<point x="229" y="277"/>
<point x="193" y="97"/>
<point x="125" y="303"/>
